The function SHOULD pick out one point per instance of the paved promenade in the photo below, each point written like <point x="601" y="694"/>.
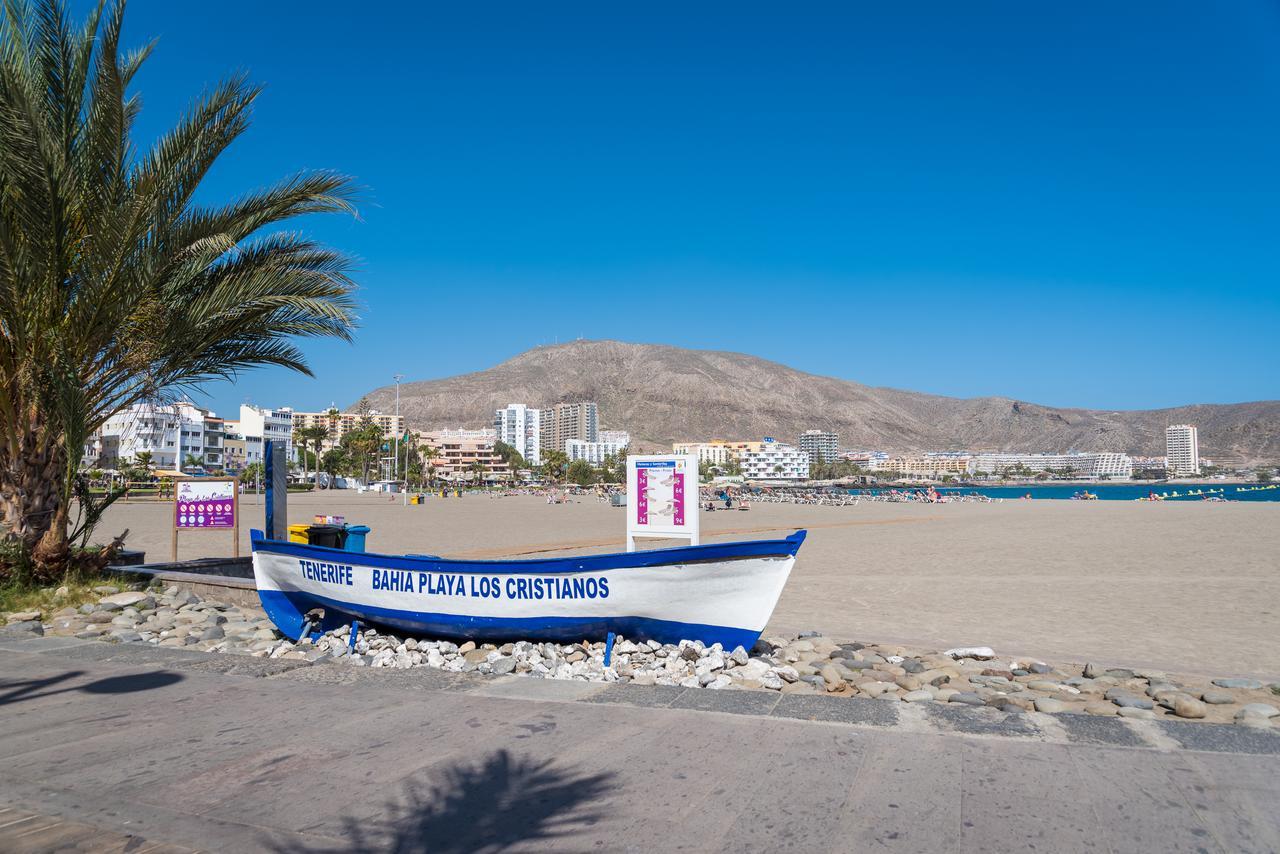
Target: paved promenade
<point x="118" y="747"/>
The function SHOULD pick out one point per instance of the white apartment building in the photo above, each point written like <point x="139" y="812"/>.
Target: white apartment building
<point x="1182" y="449"/>
<point x="770" y="460"/>
<point x="240" y="450"/>
<point x="520" y="426"/>
<point x="455" y="434"/>
<point x="820" y="445"/>
<point x="593" y="452"/>
<point x="621" y="438"/>
<point x="1102" y="465"/>
<point x="868" y="460"/>
<point x="717" y="452"/>
<point x="142" y="428"/>
<point x="169" y="432"/>
<point x="267" y="425"/>
<point x="706" y="452"/>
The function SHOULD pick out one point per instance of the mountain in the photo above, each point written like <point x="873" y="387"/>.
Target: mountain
<point x="663" y="394"/>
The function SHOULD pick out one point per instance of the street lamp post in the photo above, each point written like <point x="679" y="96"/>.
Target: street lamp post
<point x="396" y="426"/>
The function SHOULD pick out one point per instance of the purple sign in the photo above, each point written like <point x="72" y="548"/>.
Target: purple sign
<point x="205" y="504"/>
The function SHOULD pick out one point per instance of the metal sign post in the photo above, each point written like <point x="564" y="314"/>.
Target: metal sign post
<point x="207" y="504"/>
<point x="662" y="497"/>
<point x="277" y="476"/>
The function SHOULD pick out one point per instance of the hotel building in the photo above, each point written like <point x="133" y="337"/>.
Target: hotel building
<point x="169" y="432"/>
<point x="1182" y="449"/>
<point x="519" y="426"/>
<point x="706" y="452"/>
<point x="820" y="445"/>
<point x="340" y="424"/>
<point x="770" y="460"/>
<point x="1104" y="465"/>
<point x="266" y="425"/>
<point x="459" y="451"/>
<point x="922" y="465"/>
<point x="566" y="421"/>
<point x="596" y="452"/>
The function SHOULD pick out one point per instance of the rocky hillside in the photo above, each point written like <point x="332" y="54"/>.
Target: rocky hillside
<point x="664" y="394"/>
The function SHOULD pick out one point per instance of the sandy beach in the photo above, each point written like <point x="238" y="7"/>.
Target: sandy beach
<point x="1189" y="587"/>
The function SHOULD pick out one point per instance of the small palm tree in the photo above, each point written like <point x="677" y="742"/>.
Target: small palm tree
<point x="145" y="461"/>
<point x="430" y="455"/>
<point x="554" y="464"/>
<point x="311" y="437"/>
<point x="116" y="284"/>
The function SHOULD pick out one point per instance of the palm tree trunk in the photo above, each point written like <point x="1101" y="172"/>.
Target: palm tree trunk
<point x="31" y="507"/>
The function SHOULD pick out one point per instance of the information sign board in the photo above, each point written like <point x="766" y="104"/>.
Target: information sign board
<point x="662" y="497"/>
<point x="207" y="504"/>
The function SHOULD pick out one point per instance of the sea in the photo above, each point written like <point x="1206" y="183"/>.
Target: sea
<point x="1123" y="491"/>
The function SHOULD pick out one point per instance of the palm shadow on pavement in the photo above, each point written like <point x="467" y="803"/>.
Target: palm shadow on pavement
<point x="30" y="689"/>
<point x="487" y="807"/>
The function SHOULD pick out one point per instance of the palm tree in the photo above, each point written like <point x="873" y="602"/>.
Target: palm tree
<point x="430" y="454"/>
<point x="311" y="437"/>
<point x="144" y="460"/>
<point x="116" y="286"/>
<point x="554" y="464"/>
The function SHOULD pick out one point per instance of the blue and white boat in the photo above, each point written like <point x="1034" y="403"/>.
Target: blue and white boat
<point x="718" y="593"/>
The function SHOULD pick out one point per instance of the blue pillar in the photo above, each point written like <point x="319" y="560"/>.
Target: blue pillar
<point x="608" y="649"/>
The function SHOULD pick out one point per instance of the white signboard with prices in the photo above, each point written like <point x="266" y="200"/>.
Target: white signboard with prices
<point x="662" y="497"/>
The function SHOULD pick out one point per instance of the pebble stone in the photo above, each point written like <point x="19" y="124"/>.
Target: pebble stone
<point x="1217" y="698"/>
<point x="1188" y="707"/>
<point x="1246" y="684"/>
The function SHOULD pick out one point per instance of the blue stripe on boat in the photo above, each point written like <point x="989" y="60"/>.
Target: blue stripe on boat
<point x="286" y="609"/>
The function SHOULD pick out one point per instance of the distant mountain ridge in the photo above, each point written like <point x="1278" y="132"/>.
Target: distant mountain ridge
<point x="663" y="394"/>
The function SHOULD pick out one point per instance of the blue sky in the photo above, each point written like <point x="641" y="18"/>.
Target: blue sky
<point x="1076" y="205"/>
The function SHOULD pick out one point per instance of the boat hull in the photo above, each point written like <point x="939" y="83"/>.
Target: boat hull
<point x="721" y="593"/>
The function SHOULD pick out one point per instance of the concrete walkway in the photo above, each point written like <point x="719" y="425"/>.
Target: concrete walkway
<point x="159" y="749"/>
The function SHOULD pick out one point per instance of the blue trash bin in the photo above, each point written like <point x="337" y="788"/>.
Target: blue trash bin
<point x="355" y="537"/>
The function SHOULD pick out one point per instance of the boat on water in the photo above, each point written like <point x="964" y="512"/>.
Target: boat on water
<point x="718" y="593"/>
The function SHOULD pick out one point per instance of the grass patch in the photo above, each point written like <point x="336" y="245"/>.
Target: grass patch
<point x="18" y="597"/>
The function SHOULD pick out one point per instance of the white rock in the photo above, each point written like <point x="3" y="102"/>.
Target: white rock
<point x="982" y="653"/>
<point x="755" y="668"/>
<point x="131" y="597"/>
<point x="787" y="673"/>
